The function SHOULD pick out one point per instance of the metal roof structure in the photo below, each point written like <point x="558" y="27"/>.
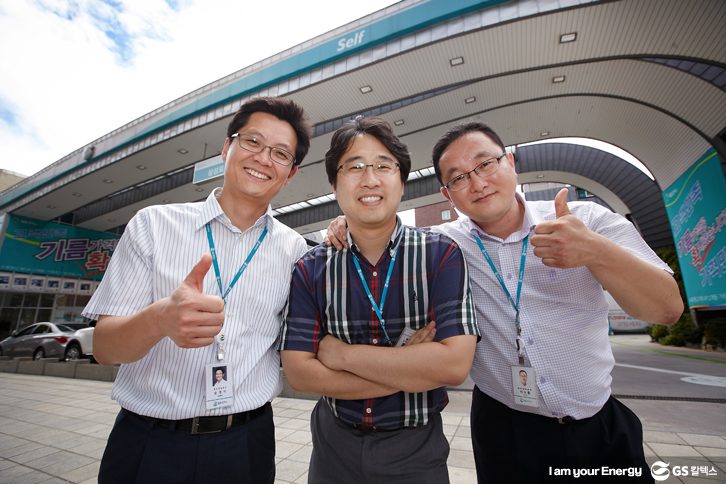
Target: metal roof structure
<point x="648" y="76"/>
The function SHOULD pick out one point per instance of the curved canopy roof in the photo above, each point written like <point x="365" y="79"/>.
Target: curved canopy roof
<point x="645" y="75"/>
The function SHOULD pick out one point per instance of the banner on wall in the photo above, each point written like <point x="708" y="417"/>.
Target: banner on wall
<point x="53" y="249"/>
<point x="696" y="206"/>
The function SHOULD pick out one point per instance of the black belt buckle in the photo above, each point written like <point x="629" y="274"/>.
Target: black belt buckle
<point x="200" y="421"/>
<point x="565" y="420"/>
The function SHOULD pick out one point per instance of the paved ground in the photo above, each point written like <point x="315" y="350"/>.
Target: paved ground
<point x="54" y="430"/>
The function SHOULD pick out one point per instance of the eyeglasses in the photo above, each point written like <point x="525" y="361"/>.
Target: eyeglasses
<point x="250" y="142"/>
<point x="357" y="168"/>
<point x="485" y="168"/>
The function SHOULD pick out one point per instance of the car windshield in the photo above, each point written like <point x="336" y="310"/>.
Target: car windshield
<point x="64" y="327"/>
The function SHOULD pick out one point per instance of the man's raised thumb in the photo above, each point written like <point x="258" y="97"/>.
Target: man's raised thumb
<point x="561" y="208"/>
<point x="195" y="278"/>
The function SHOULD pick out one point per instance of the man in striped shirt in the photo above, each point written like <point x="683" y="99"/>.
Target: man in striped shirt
<point x="351" y="311"/>
<point x="172" y="322"/>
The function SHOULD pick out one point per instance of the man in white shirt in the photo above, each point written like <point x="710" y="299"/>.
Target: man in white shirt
<point x="170" y="320"/>
<point x="537" y="272"/>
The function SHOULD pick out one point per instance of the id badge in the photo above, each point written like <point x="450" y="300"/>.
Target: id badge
<point x="405" y="336"/>
<point x="524" y="384"/>
<point x="218" y="385"/>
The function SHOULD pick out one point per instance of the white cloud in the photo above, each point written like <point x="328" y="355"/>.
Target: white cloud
<point x="64" y="81"/>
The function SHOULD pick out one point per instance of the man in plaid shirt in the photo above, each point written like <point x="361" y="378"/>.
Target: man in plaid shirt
<point x="356" y="329"/>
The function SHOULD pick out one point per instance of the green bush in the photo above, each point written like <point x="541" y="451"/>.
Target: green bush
<point x="657" y="331"/>
<point x="683" y="332"/>
<point x="714" y="332"/>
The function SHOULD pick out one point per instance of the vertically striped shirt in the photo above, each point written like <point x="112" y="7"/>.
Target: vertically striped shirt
<point x="563" y="312"/>
<point x="429" y="282"/>
<point x="159" y="247"/>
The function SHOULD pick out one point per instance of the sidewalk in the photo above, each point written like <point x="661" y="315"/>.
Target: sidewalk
<point x="54" y="430"/>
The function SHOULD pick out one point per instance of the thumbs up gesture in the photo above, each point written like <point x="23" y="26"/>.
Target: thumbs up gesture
<point x="191" y="318"/>
<point x="564" y="242"/>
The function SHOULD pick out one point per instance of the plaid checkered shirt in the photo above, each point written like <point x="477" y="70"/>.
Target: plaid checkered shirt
<point x="429" y="282"/>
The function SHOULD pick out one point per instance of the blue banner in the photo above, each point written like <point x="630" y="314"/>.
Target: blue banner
<point x="53" y="249"/>
<point x="696" y="206"/>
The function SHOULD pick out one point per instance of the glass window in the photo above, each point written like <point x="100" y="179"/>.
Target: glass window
<point x="82" y="301"/>
<point x="42" y="329"/>
<point x="26" y="330"/>
<point x="15" y="300"/>
<point x="44" y="314"/>
<point x="8" y="320"/>
<point x="27" y="316"/>
<point x="31" y="300"/>
<point x="46" y="301"/>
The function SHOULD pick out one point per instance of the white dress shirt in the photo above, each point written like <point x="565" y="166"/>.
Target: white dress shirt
<point x="159" y="247"/>
<point x="563" y="313"/>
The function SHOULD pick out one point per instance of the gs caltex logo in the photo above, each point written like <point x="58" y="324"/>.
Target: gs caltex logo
<point x="662" y="470"/>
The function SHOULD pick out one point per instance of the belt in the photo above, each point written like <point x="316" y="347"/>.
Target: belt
<point x="203" y="425"/>
<point x="366" y="429"/>
<point x="566" y="420"/>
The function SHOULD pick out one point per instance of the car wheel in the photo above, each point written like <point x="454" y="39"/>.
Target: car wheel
<point x="39" y="353"/>
<point x="73" y="352"/>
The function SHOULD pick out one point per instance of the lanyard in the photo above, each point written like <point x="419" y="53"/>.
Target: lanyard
<point x="378" y="309"/>
<point x="222" y="292"/>
<point x="515" y="304"/>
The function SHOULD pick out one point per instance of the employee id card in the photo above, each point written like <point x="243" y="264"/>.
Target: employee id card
<point x="405" y="336"/>
<point x="524" y="384"/>
<point x="218" y="385"/>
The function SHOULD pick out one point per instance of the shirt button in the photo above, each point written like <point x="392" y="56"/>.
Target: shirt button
<point x="375" y="341"/>
<point x="509" y="276"/>
<point x="530" y="341"/>
<point x="375" y="274"/>
<point x="542" y="379"/>
<point x="368" y="410"/>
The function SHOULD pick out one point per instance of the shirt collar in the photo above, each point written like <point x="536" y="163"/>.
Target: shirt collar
<point x="211" y="209"/>
<point x="395" y="236"/>
<point x="529" y="221"/>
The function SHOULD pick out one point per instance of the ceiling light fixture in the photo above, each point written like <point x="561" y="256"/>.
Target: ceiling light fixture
<point x="182" y="151"/>
<point x="51" y="206"/>
<point x="470" y="100"/>
<point x="141" y="167"/>
<point x="365" y="89"/>
<point x="540" y="176"/>
<point x="76" y="194"/>
<point x="107" y="180"/>
<point x="456" y="61"/>
<point x="398" y="122"/>
<point x="558" y="79"/>
<point x="544" y="133"/>
<point x="568" y="37"/>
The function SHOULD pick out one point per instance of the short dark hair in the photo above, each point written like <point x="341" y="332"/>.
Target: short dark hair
<point x="285" y="110"/>
<point x="457" y="132"/>
<point x="373" y="126"/>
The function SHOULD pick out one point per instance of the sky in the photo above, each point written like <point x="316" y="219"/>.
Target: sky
<point x="74" y="70"/>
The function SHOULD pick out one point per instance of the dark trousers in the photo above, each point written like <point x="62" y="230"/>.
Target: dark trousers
<point x="342" y="454"/>
<point x="139" y="451"/>
<point x="514" y="446"/>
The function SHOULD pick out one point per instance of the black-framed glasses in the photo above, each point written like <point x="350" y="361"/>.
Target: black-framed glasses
<point x="249" y="142"/>
<point x="357" y="168"/>
<point x="485" y="168"/>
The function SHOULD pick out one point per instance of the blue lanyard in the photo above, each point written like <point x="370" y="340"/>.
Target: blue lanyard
<point x="242" y="268"/>
<point x="515" y="304"/>
<point x="378" y="309"/>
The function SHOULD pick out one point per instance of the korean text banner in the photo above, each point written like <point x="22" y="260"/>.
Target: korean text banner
<point x="696" y="206"/>
<point x="54" y="249"/>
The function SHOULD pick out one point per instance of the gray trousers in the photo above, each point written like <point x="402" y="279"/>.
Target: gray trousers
<point x="342" y="454"/>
